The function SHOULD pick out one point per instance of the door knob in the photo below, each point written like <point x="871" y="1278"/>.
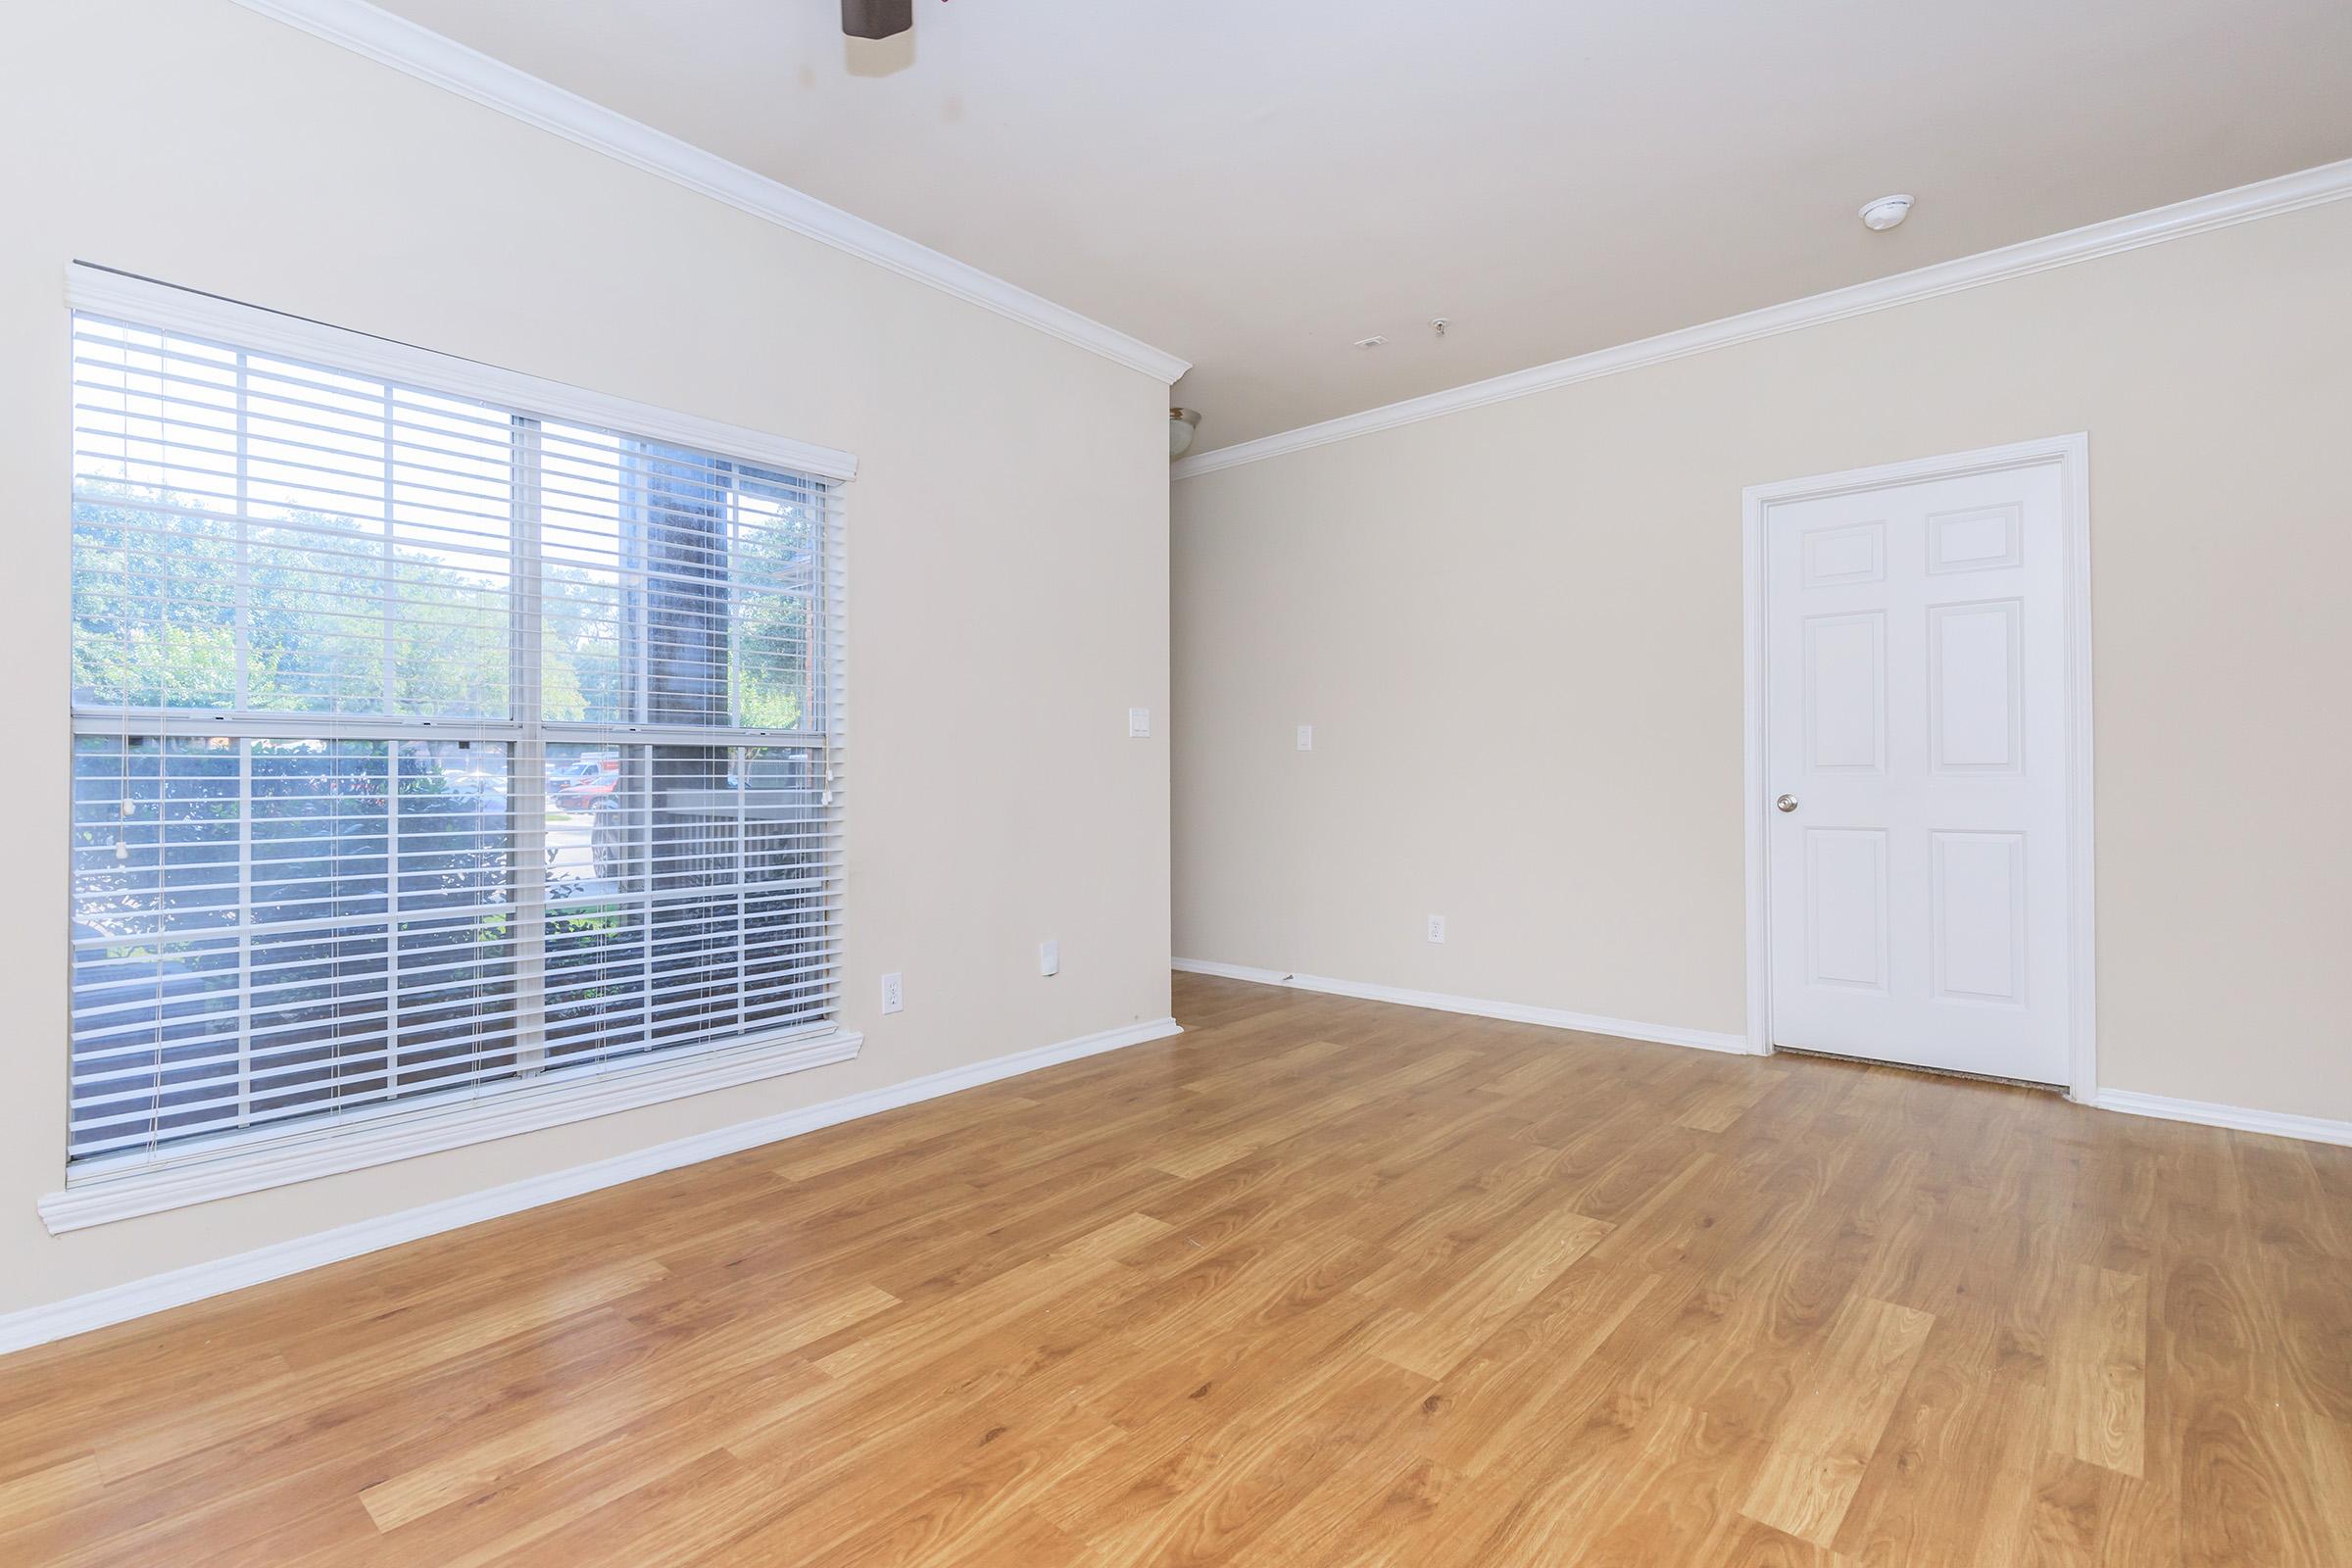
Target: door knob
<point x="1787" y="803"/>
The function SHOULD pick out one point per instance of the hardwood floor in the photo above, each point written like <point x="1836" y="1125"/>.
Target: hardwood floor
<point x="1319" y="1282"/>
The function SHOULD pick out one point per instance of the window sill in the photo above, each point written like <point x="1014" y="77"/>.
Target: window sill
<point x="113" y="1190"/>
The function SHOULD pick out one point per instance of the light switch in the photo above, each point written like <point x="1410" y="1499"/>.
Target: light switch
<point x="1139" y="723"/>
<point x="1049" y="957"/>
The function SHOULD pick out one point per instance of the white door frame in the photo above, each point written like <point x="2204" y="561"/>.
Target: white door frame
<point x="2072" y="454"/>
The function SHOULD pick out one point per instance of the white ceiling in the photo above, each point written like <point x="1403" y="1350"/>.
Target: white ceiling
<point x="1254" y="185"/>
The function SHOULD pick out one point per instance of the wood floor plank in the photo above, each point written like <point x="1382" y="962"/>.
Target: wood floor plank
<point x="983" y="1507"/>
<point x="2328" y="1449"/>
<point x="523" y="1505"/>
<point x="595" y="1408"/>
<point x="1320" y="1283"/>
<point x="1233" y="1484"/>
<point x="2098" y="1403"/>
<point x="73" y="1480"/>
<point x="1609" y="1460"/>
<point x="1359" y="1516"/>
<point x="319" y="1452"/>
<point x="1744" y="1543"/>
<point x="1954" y="1479"/>
<point x="1721" y="1105"/>
<point x="1256" y="1129"/>
<point x="1435" y="1337"/>
<point x="1493" y="1404"/>
<point x="1816" y="1462"/>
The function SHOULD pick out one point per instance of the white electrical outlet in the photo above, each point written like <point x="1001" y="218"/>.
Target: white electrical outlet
<point x="1306" y="737"/>
<point x="1437" y="928"/>
<point x="1049" y="955"/>
<point x="894" y="992"/>
<point x="1139" y="723"/>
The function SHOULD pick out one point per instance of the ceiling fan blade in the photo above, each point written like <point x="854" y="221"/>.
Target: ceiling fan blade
<point x="876" y="19"/>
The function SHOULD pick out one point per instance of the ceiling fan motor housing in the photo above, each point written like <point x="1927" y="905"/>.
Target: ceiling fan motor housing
<point x="876" y="19"/>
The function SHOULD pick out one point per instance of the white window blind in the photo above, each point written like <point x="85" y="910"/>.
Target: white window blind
<point x="423" y="745"/>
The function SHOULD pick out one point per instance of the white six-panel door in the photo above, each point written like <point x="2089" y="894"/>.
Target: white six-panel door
<point x="1917" y="833"/>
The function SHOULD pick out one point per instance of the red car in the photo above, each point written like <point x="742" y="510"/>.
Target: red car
<point x="581" y="792"/>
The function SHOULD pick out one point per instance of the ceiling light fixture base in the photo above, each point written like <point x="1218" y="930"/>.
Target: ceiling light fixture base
<point x="876" y="19"/>
<point x="1885" y="213"/>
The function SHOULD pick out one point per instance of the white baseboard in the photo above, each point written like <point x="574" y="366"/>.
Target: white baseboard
<point x="1664" y="1034"/>
<point x="118" y="1304"/>
<point x="2276" y="1123"/>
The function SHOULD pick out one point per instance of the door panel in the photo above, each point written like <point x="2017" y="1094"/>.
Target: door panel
<point x="1980" y="916"/>
<point x="1845" y="914"/>
<point x="1854" y="554"/>
<point x="1916" y="673"/>
<point x="1984" y="540"/>
<point x="1846" y="693"/>
<point x="1976" y="687"/>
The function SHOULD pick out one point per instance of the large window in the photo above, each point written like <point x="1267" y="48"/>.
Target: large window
<point x="427" y="748"/>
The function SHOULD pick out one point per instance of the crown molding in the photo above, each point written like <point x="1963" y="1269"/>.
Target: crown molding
<point x="395" y="41"/>
<point x="2288" y="193"/>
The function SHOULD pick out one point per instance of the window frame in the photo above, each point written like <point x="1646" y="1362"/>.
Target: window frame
<point x="114" y="1186"/>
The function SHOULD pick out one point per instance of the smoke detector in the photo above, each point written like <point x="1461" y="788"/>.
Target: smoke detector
<point x="1885" y="213"/>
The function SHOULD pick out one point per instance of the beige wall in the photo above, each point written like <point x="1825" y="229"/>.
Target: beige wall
<point x="1008" y="541"/>
<point x="1517" y="633"/>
